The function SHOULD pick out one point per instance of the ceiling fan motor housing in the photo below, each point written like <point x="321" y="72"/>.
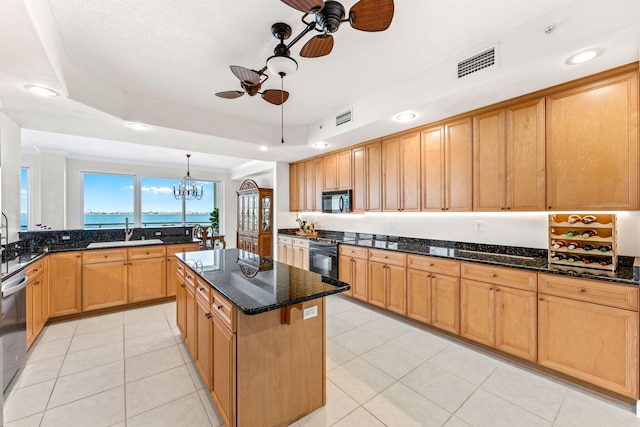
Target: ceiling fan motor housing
<point x="330" y="16"/>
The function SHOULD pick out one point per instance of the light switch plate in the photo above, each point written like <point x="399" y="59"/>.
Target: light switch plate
<point x="310" y="312"/>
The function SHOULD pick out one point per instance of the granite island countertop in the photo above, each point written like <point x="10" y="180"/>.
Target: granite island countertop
<point x="257" y="284"/>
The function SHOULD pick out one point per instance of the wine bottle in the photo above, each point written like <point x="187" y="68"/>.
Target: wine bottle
<point x="573" y="233"/>
<point x="591" y="260"/>
<point x="588" y="247"/>
<point x="557" y="244"/>
<point x="604" y="248"/>
<point x="574" y="258"/>
<point x="605" y="261"/>
<point x="558" y="257"/>
<point x="588" y="233"/>
<point x="573" y="245"/>
<point x="573" y="219"/>
<point x="588" y="219"/>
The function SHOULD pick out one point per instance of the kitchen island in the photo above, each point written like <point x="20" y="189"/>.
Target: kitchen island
<point x="256" y="330"/>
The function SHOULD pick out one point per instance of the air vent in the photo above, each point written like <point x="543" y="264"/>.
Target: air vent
<point x="343" y="118"/>
<point x="477" y="62"/>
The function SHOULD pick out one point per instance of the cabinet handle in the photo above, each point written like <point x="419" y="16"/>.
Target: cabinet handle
<point x="508" y="207"/>
<point x="549" y="207"/>
<point x="37" y="283"/>
<point x="582" y="290"/>
<point x="201" y="289"/>
<point x="502" y="208"/>
<point x="490" y="289"/>
<point x="182" y="285"/>
<point x="106" y="256"/>
<point x="441" y="209"/>
<point x="220" y="307"/>
<point x="494" y="275"/>
<point x="208" y="315"/>
<point x="497" y="289"/>
<point x="540" y="299"/>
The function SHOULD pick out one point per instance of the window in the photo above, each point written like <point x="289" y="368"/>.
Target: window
<point x="108" y="200"/>
<point x="159" y="207"/>
<point x="199" y="211"/>
<point x="24" y="199"/>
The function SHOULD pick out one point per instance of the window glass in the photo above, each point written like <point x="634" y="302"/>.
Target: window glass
<point x="108" y="200"/>
<point x="199" y="211"/>
<point x="159" y="207"/>
<point x="24" y="199"/>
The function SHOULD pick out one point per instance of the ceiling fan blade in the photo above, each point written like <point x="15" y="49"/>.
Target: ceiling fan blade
<point x="245" y="74"/>
<point x="371" y="15"/>
<point x="231" y="94"/>
<point x="275" y="96"/>
<point x="304" y="6"/>
<point x="318" y="46"/>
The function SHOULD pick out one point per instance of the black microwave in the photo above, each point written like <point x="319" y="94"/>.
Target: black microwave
<point x="336" y="201"/>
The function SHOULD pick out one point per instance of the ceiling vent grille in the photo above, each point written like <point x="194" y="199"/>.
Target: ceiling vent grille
<point x="345" y="117"/>
<point x="477" y="62"/>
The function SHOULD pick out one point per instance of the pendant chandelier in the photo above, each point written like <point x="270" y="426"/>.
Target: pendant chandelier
<point x="188" y="188"/>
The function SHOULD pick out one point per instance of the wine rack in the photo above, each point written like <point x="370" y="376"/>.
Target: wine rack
<point x="583" y="241"/>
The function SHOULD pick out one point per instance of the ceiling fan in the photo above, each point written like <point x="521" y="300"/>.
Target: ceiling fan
<point x="365" y="15"/>
<point x="251" y="81"/>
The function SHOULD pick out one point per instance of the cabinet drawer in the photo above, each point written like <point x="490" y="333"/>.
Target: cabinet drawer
<point x="147" y="252"/>
<point x="510" y="277"/>
<point x="388" y="257"/>
<point x="180" y="270"/>
<point x="353" y="251"/>
<point x="613" y="295"/>
<point x="203" y="290"/>
<point x="300" y="243"/>
<point x="35" y="268"/>
<point x="285" y="240"/>
<point x="434" y="265"/>
<point x="224" y="310"/>
<point x="108" y="255"/>
<point x="190" y="278"/>
<point x="187" y="247"/>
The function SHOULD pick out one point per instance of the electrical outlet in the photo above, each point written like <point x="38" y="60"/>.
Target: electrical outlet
<point x="310" y="312"/>
<point x="186" y="232"/>
<point x="159" y="233"/>
<point x="479" y="225"/>
<point x="66" y="237"/>
<point x="392" y="222"/>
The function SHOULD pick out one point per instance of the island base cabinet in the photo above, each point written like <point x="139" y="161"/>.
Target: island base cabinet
<point x="181" y="308"/>
<point x="590" y="342"/>
<point x="223" y="383"/>
<point x="203" y="340"/>
<point x="190" y="315"/>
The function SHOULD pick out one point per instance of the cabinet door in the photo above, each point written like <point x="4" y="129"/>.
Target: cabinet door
<point x="190" y="337"/>
<point x="419" y="295"/>
<point x="344" y="170"/>
<point x="330" y="169"/>
<point x="301" y="258"/>
<point x="65" y="285"/>
<point x="489" y="161"/>
<point x="516" y="317"/>
<point x="410" y="183"/>
<point x="359" y="274"/>
<point x="29" y="313"/>
<point x="223" y="386"/>
<point x="345" y="271"/>
<point x="445" y="303"/>
<point x="359" y="194"/>
<point x="526" y="156"/>
<point x="309" y="186"/>
<point x="373" y="176"/>
<point x="104" y="285"/>
<point x="181" y="307"/>
<point x="396" y="284"/>
<point x="318" y="183"/>
<point x="476" y="314"/>
<point x="204" y="341"/>
<point x="172" y="278"/>
<point x="433" y="162"/>
<point x="291" y="256"/>
<point x="147" y="279"/>
<point x="592" y="146"/>
<point x="376" y="285"/>
<point x="282" y="252"/>
<point x="391" y="174"/>
<point x="294" y="203"/>
<point x="591" y="342"/>
<point x="301" y="187"/>
<point x="458" y="166"/>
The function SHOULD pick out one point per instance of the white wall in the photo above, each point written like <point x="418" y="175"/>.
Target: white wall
<point x="53" y="196"/>
<point x="10" y="166"/>
<point x="512" y="229"/>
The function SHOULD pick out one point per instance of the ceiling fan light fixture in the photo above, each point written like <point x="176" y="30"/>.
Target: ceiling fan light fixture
<point x="41" y="91"/>
<point x="405" y="117"/>
<point x="280" y="65"/>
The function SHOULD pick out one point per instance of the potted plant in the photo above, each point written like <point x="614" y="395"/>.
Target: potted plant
<point x="215" y="224"/>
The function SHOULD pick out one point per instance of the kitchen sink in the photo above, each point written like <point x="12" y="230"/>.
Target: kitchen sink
<point x="119" y="243"/>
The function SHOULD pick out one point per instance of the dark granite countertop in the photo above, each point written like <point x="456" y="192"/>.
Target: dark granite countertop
<point x="256" y="284"/>
<point x="505" y="256"/>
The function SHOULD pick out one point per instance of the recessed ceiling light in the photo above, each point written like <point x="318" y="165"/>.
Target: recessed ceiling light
<point x="405" y="117"/>
<point x="41" y="91"/>
<point x="138" y="126"/>
<point x="320" y="145"/>
<point x="264" y="148"/>
<point x="584" y="56"/>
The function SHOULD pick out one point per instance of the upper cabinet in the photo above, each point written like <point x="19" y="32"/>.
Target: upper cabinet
<point x="296" y="173"/>
<point x="592" y="145"/>
<point x="446" y="167"/>
<point x="337" y="170"/>
<point x="401" y="173"/>
<point x="508" y="158"/>
<point x="367" y="177"/>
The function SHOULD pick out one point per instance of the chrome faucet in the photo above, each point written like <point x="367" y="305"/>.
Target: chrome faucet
<point x="128" y="233"/>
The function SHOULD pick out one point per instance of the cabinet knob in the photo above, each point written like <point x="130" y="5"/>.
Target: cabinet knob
<point x="540" y="299"/>
<point x="220" y="307"/>
<point x="430" y="264"/>
<point x="208" y="315"/>
<point x="508" y="207"/>
<point x="106" y="256"/>
<point x="549" y="207"/>
<point x="497" y="289"/>
<point x="490" y="289"/>
<point x="182" y="285"/>
<point x="582" y="290"/>
<point x="502" y="208"/>
<point x="494" y="275"/>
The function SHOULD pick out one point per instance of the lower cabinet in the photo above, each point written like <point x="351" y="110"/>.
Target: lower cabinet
<point x="500" y="311"/>
<point x="300" y="249"/>
<point x="223" y="382"/>
<point x="36" y="300"/>
<point x="387" y="285"/>
<point x="104" y="278"/>
<point x="582" y="337"/>
<point x="65" y="283"/>
<point x="204" y="325"/>
<point x="190" y="319"/>
<point x="181" y="299"/>
<point x="352" y="269"/>
<point x="147" y="273"/>
<point x="172" y="264"/>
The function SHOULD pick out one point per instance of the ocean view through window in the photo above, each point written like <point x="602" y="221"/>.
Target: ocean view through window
<point x="109" y="199"/>
<point x="24" y="199"/>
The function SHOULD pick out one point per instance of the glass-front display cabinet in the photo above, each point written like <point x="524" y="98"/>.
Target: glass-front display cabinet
<point x="255" y="218"/>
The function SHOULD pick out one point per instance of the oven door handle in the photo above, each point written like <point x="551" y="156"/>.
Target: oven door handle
<point x="7" y="291"/>
<point x="341" y="204"/>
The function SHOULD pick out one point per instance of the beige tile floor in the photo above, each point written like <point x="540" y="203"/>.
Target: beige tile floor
<point x="133" y="369"/>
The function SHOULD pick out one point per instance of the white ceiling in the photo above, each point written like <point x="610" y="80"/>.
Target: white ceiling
<point x="160" y="62"/>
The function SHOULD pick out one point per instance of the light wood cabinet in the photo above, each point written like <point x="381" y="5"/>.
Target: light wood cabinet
<point x="352" y="269"/>
<point x="359" y="190"/>
<point x="172" y="264"/>
<point x="309" y="186"/>
<point x="592" y="145"/>
<point x="295" y="203"/>
<point x="300" y="250"/>
<point x="286" y="254"/>
<point x="337" y="170"/>
<point x="223" y="384"/>
<point x="446" y="166"/>
<point x="508" y="158"/>
<point x="255" y="218"/>
<point x="190" y="337"/>
<point x="147" y="273"/>
<point x="433" y="297"/>
<point x="401" y="173"/>
<point x="203" y="344"/>
<point x="35" y="301"/>
<point x="65" y="283"/>
<point x="501" y="311"/>
<point x="181" y="298"/>
<point x="104" y="278"/>
<point x="586" y="340"/>
<point x="387" y="284"/>
<point x="367" y="177"/>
